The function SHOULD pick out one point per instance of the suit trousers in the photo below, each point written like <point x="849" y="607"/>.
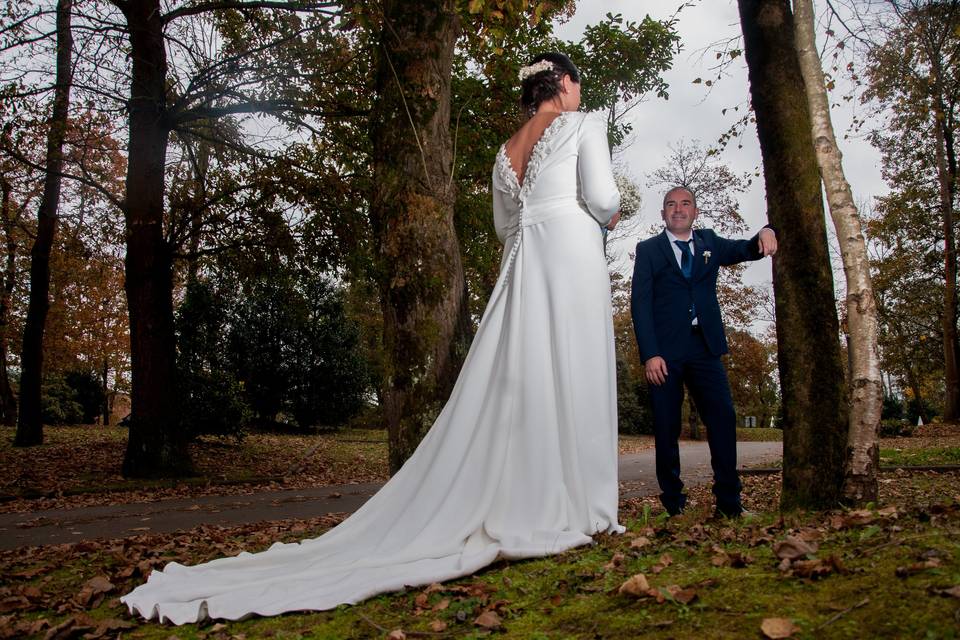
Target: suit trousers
<point x="706" y="378"/>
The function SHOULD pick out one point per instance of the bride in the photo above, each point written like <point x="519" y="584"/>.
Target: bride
<point x="522" y="461"/>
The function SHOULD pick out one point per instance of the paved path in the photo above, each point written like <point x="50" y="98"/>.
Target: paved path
<point x="116" y="521"/>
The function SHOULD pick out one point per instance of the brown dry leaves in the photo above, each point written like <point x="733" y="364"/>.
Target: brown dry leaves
<point x="118" y="566"/>
<point x="80" y="466"/>
<point x="778" y="628"/>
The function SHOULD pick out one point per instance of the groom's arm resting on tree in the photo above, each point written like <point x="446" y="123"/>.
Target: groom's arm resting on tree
<point x="735" y="251"/>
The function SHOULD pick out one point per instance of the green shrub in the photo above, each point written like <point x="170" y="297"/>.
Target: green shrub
<point x="895" y="428"/>
<point x="59" y="402"/>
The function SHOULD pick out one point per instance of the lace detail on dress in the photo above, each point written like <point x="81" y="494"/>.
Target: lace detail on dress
<point x="519" y="192"/>
<point x="540" y="151"/>
<point x="505" y="172"/>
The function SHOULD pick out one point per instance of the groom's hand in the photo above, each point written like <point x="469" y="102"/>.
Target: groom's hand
<point x="767" y="239"/>
<point x="656" y="370"/>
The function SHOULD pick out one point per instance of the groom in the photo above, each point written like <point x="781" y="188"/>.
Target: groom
<point x="676" y="318"/>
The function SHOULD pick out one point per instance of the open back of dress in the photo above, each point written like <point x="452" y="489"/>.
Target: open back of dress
<point x="522" y="460"/>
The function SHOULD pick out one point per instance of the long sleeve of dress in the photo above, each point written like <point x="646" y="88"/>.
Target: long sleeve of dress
<point x="598" y="189"/>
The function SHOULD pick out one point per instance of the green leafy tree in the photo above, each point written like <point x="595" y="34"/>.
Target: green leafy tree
<point x="912" y="74"/>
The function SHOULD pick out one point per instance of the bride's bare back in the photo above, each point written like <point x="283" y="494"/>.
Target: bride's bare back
<point x="520" y="146"/>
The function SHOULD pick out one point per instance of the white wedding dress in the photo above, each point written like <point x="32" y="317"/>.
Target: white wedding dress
<point x="521" y="462"/>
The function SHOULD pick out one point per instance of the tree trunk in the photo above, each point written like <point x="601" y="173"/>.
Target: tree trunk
<point x="104" y="386"/>
<point x="951" y="405"/>
<point x="866" y="387"/>
<point x="156" y="445"/>
<point x="29" y="423"/>
<point x="420" y="275"/>
<point x="914" y="383"/>
<point x="811" y="371"/>
<point x="8" y="402"/>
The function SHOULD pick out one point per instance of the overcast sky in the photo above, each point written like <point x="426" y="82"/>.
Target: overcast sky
<point x="691" y="113"/>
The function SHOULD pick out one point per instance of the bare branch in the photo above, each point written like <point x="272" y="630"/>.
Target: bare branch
<point x="327" y="7"/>
<point x="19" y="157"/>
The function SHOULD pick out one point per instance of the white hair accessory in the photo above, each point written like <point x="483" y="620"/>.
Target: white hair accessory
<point x="535" y="68"/>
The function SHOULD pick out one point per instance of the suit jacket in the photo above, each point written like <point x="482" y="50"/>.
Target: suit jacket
<point x="661" y="296"/>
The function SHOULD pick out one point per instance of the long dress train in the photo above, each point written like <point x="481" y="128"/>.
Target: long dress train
<point x="522" y="460"/>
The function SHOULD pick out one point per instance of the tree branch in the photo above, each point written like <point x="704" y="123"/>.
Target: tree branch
<point x="258" y="4"/>
<point x="19" y="157"/>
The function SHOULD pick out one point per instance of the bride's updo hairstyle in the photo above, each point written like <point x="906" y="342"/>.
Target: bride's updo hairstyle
<point x="542" y="85"/>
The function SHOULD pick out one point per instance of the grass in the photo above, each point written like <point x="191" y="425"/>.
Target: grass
<point x="574" y="595"/>
<point x="920" y="457"/>
<point x="760" y="434"/>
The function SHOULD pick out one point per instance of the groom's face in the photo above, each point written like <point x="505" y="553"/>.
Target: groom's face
<point x="679" y="211"/>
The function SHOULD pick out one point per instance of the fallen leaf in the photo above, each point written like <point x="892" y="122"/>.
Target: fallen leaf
<point x="776" y="628"/>
<point x="917" y="567"/>
<point x="793" y="547"/>
<point x="100" y="584"/>
<point x="953" y="592"/>
<point x="438" y="626"/>
<point x="815" y="568"/>
<point x="421" y="601"/>
<point x="615" y="562"/>
<point x="860" y="516"/>
<point x="488" y="620"/>
<point x="443" y="604"/>
<point x="683" y="596"/>
<point x="639" y="542"/>
<point x="636" y="586"/>
<point x="397" y="634"/>
<point x="108" y="627"/>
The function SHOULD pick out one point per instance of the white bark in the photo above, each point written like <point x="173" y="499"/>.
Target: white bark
<point x="866" y="390"/>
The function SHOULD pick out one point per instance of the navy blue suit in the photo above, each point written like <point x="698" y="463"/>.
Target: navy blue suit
<point x="662" y="304"/>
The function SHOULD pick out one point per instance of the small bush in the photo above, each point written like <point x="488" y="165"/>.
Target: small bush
<point x="895" y="428"/>
<point x="893" y="408"/>
<point x="213" y="405"/>
<point x="60" y="403"/>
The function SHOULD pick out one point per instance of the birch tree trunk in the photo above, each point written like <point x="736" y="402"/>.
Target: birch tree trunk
<point x="866" y="390"/>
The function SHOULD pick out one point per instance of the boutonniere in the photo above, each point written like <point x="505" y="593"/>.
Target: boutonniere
<point x="706" y="257"/>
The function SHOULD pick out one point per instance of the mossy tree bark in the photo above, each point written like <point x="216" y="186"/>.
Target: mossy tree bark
<point x="811" y="370"/>
<point x="30" y="419"/>
<point x="421" y="279"/>
<point x="866" y="390"/>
